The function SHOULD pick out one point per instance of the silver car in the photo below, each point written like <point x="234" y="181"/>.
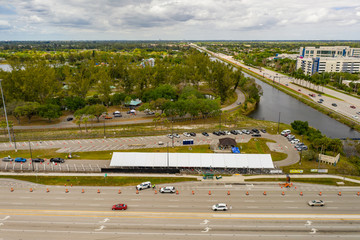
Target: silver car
<point x="316" y="203"/>
<point x="7" y="159"/>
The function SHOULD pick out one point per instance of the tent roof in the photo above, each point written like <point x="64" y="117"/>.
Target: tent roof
<point x="197" y="160"/>
<point x="227" y="141"/>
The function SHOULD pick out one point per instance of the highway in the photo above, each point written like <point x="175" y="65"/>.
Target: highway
<point x="75" y="215"/>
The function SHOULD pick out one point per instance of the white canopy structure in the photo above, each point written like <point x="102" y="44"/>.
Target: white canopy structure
<point x="193" y="160"/>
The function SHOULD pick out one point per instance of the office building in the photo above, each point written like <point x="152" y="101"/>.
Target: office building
<point x="329" y="51"/>
<point x="328" y="64"/>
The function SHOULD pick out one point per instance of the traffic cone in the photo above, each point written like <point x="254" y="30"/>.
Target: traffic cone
<point x="358" y="193"/>
<point x="339" y="193"/>
<point x="82" y="191"/>
<point x="119" y="191"/>
<point x="155" y="192"/>
<point x="137" y="191"/>
<point x="295" y="187"/>
<point x="247" y="193"/>
<point x="11" y="189"/>
<point x="209" y="192"/>
<point x="192" y="192"/>
<point x="31" y="190"/>
<point x="177" y="192"/>
<point x="66" y="190"/>
<point x="283" y="193"/>
<point x="71" y="185"/>
<point x="320" y="193"/>
<point x="228" y="193"/>
<point x="47" y="190"/>
<point x="301" y="193"/>
<point x="64" y="185"/>
<point x="264" y="193"/>
<point x="98" y="191"/>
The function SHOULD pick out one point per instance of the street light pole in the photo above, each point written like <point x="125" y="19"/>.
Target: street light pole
<point x="7" y="122"/>
<point x="302" y="140"/>
<point x="167" y="155"/>
<point x="32" y="163"/>
<point x="172" y="131"/>
<point x="278" y="124"/>
<point x="104" y="129"/>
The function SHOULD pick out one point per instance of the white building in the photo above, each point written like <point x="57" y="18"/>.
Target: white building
<point x="328" y="64"/>
<point x="329" y="51"/>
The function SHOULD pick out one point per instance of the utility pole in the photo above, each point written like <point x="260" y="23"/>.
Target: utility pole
<point x="167" y="155"/>
<point x="278" y="124"/>
<point x="302" y="140"/>
<point x="6" y="118"/>
<point x="104" y="129"/>
<point x="32" y="163"/>
<point x="14" y="138"/>
<point x="172" y="131"/>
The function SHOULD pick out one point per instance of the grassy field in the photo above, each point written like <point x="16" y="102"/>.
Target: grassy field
<point x="98" y="181"/>
<point x="324" y="181"/>
<point x="258" y="145"/>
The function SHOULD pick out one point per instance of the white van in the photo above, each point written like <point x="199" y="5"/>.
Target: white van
<point x="143" y="185"/>
<point x="287" y="131"/>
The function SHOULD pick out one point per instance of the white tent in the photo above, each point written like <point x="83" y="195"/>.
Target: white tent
<point x="195" y="160"/>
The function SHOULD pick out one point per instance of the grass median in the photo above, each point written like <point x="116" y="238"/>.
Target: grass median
<point x="323" y="181"/>
<point x="98" y="181"/>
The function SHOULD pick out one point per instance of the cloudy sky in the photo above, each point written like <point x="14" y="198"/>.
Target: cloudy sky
<point x="179" y="19"/>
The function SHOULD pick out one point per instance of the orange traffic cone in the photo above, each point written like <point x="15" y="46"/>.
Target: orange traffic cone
<point x="339" y="193"/>
<point x="247" y="193"/>
<point x="31" y="190"/>
<point x="177" y="192"/>
<point x="301" y="193"/>
<point x="209" y="192"/>
<point x="11" y="189"/>
<point x="283" y="193"/>
<point x="47" y="190"/>
<point x="119" y="191"/>
<point x="228" y="193"/>
<point x="358" y="193"/>
<point x="137" y="191"/>
<point x="82" y="191"/>
<point x="320" y="193"/>
<point x="264" y="193"/>
<point x="98" y="191"/>
<point x="155" y="192"/>
<point x="66" y="190"/>
<point x="192" y="192"/>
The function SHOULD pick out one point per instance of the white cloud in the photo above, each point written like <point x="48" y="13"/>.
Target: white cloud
<point x="178" y="19"/>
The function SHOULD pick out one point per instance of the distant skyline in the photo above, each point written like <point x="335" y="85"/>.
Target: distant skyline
<point x="179" y="20"/>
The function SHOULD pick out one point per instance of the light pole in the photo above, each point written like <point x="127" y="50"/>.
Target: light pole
<point x="7" y="122"/>
<point x="172" y="131"/>
<point x="32" y="163"/>
<point x="167" y="155"/>
<point x="104" y="129"/>
<point x="278" y="124"/>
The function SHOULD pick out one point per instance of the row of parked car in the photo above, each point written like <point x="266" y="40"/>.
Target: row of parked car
<point x="254" y="132"/>
<point x="298" y="145"/>
<point x="40" y="160"/>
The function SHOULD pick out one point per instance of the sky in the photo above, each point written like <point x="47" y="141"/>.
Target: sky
<point x="179" y="20"/>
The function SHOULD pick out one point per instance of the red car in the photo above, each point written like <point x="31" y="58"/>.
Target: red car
<point x="119" y="207"/>
<point x="108" y="117"/>
<point x="352" y="106"/>
<point x="299" y="90"/>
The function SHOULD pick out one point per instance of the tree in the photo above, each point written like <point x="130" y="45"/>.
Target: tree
<point x="78" y="121"/>
<point x="85" y="120"/>
<point x="104" y="85"/>
<point x="300" y="126"/>
<point x="49" y="111"/>
<point x="94" y="110"/>
<point x="28" y="110"/>
<point x="74" y="103"/>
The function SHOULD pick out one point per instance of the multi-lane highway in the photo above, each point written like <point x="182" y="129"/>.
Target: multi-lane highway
<point x="76" y="215"/>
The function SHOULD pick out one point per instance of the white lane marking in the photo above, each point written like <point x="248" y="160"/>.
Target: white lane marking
<point x="332" y="207"/>
<point x="249" y="200"/>
<point x="25" y="197"/>
<point x="105" y="220"/>
<point x="313" y="231"/>
<point x="292" y="207"/>
<point x="55" y="204"/>
<point x="7" y="217"/>
<point x="206" y="229"/>
<point x="16" y="203"/>
<point x="94" y="205"/>
<point x="205" y="221"/>
<point x="212" y="200"/>
<point x="100" y="228"/>
<point x="173" y="200"/>
<point x="61" y="198"/>
<point x="308" y="223"/>
<point x="289" y="201"/>
<point x="252" y="207"/>
<point x="173" y="206"/>
<point x="133" y="205"/>
<point x="136" y="199"/>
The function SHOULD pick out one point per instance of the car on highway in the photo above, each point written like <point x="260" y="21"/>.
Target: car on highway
<point x="311" y="95"/>
<point x="205" y="134"/>
<point x="20" y="159"/>
<point x="37" y="160"/>
<point x="316" y="203"/>
<point x="143" y="185"/>
<point x="334" y="104"/>
<point x="119" y="206"/>
<point x="7" y="159"/>
<point x="299" y="90"/>
<point x="57" y="160"/>
<point x="352" y="106"/>
<point x="167" y="189"/>
<point x="220" y="207"/>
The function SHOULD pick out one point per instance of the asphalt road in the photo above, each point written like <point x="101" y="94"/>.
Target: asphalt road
<point x="76" y="215"/>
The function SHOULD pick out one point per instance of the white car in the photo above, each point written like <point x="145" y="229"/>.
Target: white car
<point x="220" y="207"/>
<point x="167" y="189"/>
<point x="294" y="141"/>
<point x="227" y="132"/>
<point x="287" y="131"/>
<point x="170" y="136"/>
<point x="316" y="203"/>
<point x="176" y="135"/>
<point x="239" y="132"/>
<point x="143" y="185"/>
<point x="186" y="134"/>
<point x="356" y="117"/>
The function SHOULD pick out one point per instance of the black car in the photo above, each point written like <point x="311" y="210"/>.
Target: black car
<point x="256" y="135"/>
<point x="193" y="134"/>
<point x="233" y="132"/>
<point x="205" y="134"/>
<point x="255" y="130"/>
<point x="37" y="160"/>
<point x="216" y="133"/>
<point x="334" y="104"/>
<point x="69" y="119"/>
<point x="222" y="133"/>
<point x="263" y="130"/>
<point x="57" y="160"/>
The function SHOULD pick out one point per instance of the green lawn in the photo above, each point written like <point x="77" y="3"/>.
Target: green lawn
<point x="258" y="145"/>
<point x="324" y="181"/>
<point x="98" y="181"/>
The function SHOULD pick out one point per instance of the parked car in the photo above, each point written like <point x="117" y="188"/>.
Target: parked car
<point x="263" y="130"/>
<point x="108" y="117"/>
<point x="244" y="131"/>
<point x="287" y="131"/>
<point x="57" y="160"/>
<point x="117" y="114"/>
<point x="320" y="101"/>
<point x="299" y="90"/>
<point x="119" y="206"/>
<point x="69" y="119"/>
<point x="254" y="130"/>
<point x="161" y="143"/>
<point x="170" y="136"/>
<point x="176" y="135"/>
<point x="143" y="185"/>
<point x="294" y="141"/>
<point x="222" y="132"/>
<point x="290" y="137"/>
<point x="358" y="113"/>
<point x="316" y="203"/>
<point x="20" y="159"/>
<point x="37" y="160"/>
<point x="356" y="117"/>
<point x="227" y="133"/>
<point x="334" y="104"/>
<point x="233" y="132"/>
<point x="220" y="207"/>
<point x="256" y="135"/>
<point x="239" y="132"/>
<point x="150" y="113"/>
<point x="193" y="134"/>
<point x="217" y="133"/>
<point x="205" y="134"/>
<point x="352" y="106"/>
<point x="7" y="159"/>
<point x="167" y="189"/>
<point x="186" y="134"/>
